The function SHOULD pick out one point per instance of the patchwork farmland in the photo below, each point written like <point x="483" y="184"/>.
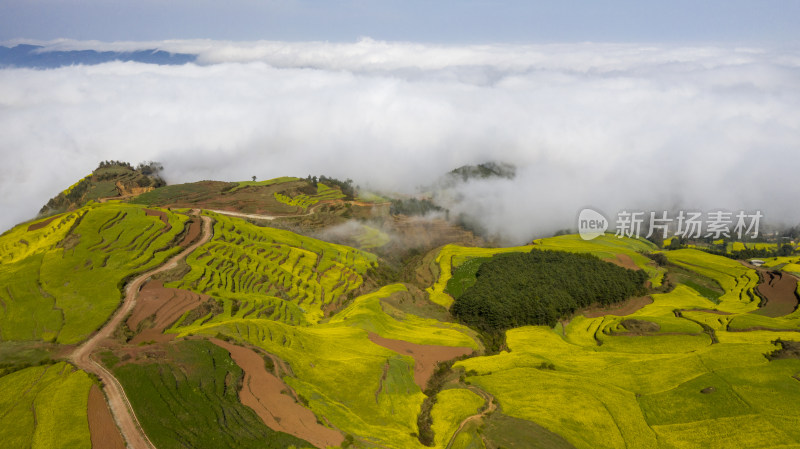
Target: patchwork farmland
<point x="254" y="331"/>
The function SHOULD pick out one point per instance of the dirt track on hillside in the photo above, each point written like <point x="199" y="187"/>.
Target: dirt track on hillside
<point x="425" y="356"/>
<point x="269" y="397"/>
<point x="81" y="357"/>
<point x="268" y="217"/>
<point x="491" y="405"/>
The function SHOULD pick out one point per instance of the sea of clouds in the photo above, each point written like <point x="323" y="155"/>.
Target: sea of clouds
<point x="608" y="126"/>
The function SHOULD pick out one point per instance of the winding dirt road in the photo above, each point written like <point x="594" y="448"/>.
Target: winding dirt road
<point x="311" y="211"/>
<point x="82" y="356"/>
<point x="266" y="217"/>
<point x="491" y="405"/>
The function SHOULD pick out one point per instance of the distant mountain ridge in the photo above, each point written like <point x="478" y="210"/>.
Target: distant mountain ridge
<point x="485" y="170"/>
<point x="34" y="56"/>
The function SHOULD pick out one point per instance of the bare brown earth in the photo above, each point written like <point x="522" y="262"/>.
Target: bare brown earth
<point x="779" y="290"/>
<point x="162" y="215"/>
<point x="42" y="224"/>
<point x="626" y="307"/>
<point x="159" y="307"/>
<point x="624" y="261"/>
<point x="789" y="350"/>
<point x="425" y="356"/>
<point x="195" y="229"/>
<point x="271" y="399"/>
<point x="117" y="400"/>
<point x="131" y="191"/>
<point x="103" y="429"/>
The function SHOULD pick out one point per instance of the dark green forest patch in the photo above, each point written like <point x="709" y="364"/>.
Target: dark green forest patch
<point x="541" y="287"/>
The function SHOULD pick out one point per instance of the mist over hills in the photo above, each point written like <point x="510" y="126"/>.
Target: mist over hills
<point x="607" y="126"/>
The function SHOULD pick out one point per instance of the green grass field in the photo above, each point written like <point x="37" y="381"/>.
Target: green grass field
<point x="736" y="280"/>
<point x="741" y="246"/>
<point x="64" y="280"/>
<point x="268" y="182"/>
<point x="192" y="401"/>
<point x="44" y="407"/>
<point x="610" y="390"/>
<point x="452" y="407"/>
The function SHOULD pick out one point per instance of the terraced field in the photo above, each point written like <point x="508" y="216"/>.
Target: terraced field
<point x="62" y="280"/>
<point x="268" y="182"/>
<point x="261" y="197"/>
<point x="736" y="280"/>
<point x="271" y="273"/>
<point x="303" y="201"/>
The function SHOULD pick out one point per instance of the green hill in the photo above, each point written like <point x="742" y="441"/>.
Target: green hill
<point x="111" y="179"/>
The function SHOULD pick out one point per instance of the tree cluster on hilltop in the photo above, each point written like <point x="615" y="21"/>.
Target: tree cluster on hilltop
<point x="108" y="164"/>
<point x="346" y="186"/>
<point x="101" y="183"/>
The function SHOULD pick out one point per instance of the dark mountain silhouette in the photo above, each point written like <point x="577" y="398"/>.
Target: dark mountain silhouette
<point x="32" y="56"/>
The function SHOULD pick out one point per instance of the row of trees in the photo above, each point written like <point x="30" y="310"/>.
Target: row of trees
<point x="345" y="186"/>
<point x="413" y="206"/>
<point x="541" y="287"/>
<point x="108" y="164"/>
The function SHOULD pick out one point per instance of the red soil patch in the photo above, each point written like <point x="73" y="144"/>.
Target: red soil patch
<point x="626" y="307"/>
<point x="195" y="229"/>
<point x="425" y="356"/>
<point x="163" y="306"/>
<point x="162" y="215"/>
<point x="42" y="224"/>
<point x="624" y="261"/>
<point x="262" y="392"/>
<point x="779" y="291"/>
<point x="104" y="431"/>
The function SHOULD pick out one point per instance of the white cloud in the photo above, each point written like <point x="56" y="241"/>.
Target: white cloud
<point x="612" y="126"/>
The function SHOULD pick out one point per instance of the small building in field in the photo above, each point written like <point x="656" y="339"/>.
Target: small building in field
<point x="756" y="262"/>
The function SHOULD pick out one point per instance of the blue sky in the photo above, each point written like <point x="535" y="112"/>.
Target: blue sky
<point x="449" y="21"/>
